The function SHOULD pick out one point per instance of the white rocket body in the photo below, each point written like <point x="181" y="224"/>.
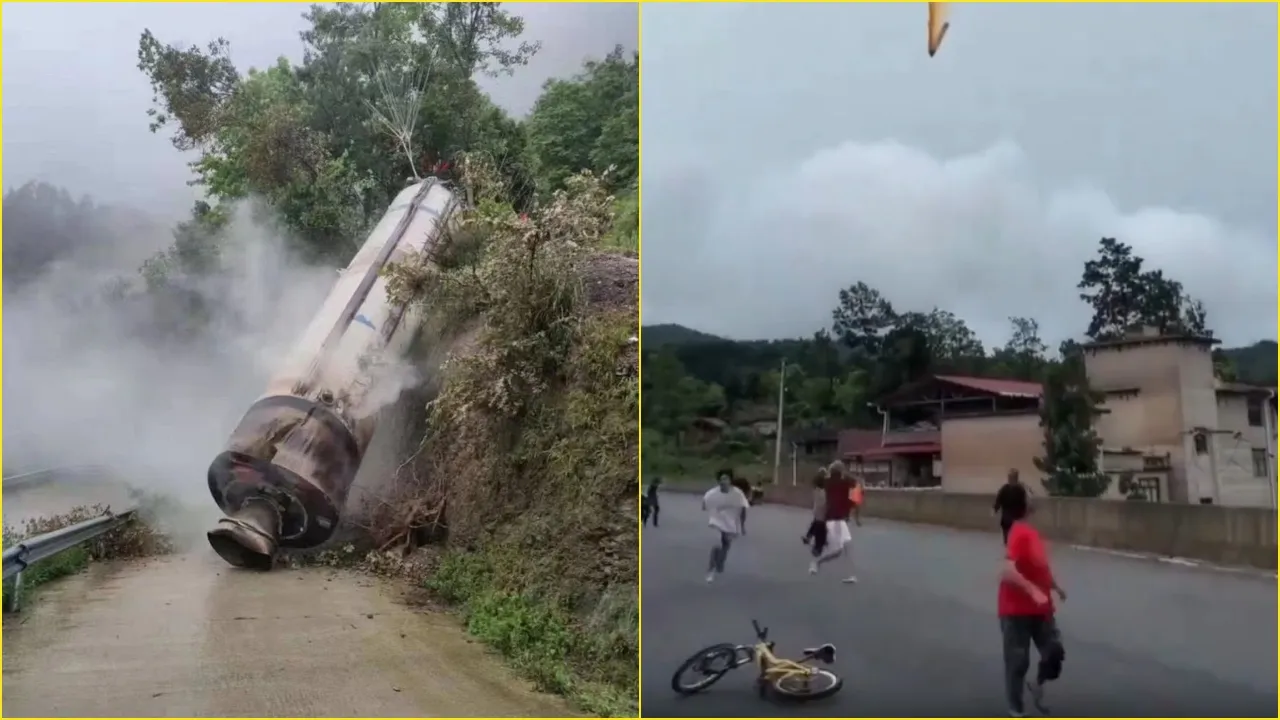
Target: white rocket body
<point x="284" y="475"/>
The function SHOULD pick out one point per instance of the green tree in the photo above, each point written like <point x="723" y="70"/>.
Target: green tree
<point x="1024" y="354"/>
<point x="189" y="87"/>
<point x="1124" y="296"/>
<point x="904" y="358"/>
<point x="951" y="343"/>
<point x="589" y="121"/>
<point x="861" y="318"/>
<point x="1071" y="443"/>
<point x="672" y="398"/>
<point x="310" y="139"/>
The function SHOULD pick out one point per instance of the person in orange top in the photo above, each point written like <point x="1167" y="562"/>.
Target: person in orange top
<point x="855" y="499"/>
<point x="1025" y="606"/>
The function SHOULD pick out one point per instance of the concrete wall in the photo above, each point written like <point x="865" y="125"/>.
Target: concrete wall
<point x="1230" y="536"/>
<point x="1175" y="393"/>
<point x="977" y="452"/>
<point x="1241" y="486"/>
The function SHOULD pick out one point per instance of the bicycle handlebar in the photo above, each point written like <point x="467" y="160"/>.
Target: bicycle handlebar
<point x="761" y="633"/>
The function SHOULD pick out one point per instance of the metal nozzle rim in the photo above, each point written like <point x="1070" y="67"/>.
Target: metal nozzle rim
<point x="248" y="539"/>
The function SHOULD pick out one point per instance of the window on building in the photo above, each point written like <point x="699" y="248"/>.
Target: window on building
<point x="1255" y="412"/>
<point x="1259" y="463"/>
<point x="1202" y="444"/>
<point x="1148" y="488"/>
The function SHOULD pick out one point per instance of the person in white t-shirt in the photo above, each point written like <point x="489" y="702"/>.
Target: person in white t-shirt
<point x="726" y="507"/>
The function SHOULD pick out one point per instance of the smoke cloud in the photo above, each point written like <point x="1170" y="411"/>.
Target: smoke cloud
<point x="87" y="381"/>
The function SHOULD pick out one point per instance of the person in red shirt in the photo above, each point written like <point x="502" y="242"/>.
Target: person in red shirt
<point x="1025" y="606"/>
<point x="837" y="487"/>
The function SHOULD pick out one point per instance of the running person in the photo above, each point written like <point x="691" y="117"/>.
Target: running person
<point x="650" y="506"/>
<point x="816" y="537"/>
<point x="1010" y="503"/>
<point x="855" y="499"/>
<point x="837" y="514"/>
<point x="1026" y="612"/>
<point x="727" y="513"/>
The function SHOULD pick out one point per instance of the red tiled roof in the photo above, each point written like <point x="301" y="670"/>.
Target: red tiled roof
<point x="1008" y="388"/>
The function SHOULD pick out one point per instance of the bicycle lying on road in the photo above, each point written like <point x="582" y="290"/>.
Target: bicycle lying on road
<point x="791" y="679"/>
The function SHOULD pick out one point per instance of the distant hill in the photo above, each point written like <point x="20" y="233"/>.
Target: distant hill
<point x="1255" y="364"/>
<point x="655" y="335"/>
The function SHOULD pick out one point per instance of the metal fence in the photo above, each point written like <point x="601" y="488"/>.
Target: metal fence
<point x="39" y="548"/>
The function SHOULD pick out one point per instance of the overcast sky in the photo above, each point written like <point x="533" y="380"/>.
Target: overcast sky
<point x="75" y="102"/>
<point x="789" y="151"/>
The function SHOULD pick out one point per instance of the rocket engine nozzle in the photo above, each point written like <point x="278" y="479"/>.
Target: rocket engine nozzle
<point x="250" y="537"/>
<point x="282" y="481"/>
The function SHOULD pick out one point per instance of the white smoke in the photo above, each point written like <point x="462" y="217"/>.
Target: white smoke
<point x="83" y="385"/>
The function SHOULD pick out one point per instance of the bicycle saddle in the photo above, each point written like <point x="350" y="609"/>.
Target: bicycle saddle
<point x="826" y="653"/>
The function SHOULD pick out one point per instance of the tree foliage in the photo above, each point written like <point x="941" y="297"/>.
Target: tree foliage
<point x="872" y="348"/>
<point x="1125" y="297"/>
<point x="384" y="92"/>
<point x="589" y="121"/>
<point x="1068" y="410"/>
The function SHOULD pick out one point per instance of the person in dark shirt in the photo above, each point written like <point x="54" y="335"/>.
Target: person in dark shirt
<point x="650" y="506"/>
<point x="816" y="537"/>
<point x="1010" y="503"/>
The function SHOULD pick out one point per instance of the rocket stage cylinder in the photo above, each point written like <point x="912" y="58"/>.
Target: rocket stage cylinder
<point x="284" y="475"/>
<point x="282" y="480"/>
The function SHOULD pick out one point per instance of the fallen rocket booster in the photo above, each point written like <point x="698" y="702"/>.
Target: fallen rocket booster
<point x="282" y="479"/>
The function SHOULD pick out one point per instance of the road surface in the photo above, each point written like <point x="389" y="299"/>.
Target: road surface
<point x="918" y="636"/>
<point x="189" y="636"/>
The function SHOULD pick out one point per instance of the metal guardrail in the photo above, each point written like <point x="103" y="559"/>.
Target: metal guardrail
<point x="42" y="547"/>
<point x="39" y="548"/>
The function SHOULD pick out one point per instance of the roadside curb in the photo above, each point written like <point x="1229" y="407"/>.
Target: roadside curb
<point x="1181" y="561"/>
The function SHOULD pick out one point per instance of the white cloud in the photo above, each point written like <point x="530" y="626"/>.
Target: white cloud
<point x="980" y="234"/>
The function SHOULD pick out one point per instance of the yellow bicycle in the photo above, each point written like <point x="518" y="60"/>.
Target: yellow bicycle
<point x="791" y="679"/>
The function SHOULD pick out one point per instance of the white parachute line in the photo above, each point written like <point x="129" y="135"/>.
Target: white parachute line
<point x="399" y="104"/>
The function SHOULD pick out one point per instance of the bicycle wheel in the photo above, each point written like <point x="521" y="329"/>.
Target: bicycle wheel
<point x="706" y="667"/>
<point x="808" y="686"/>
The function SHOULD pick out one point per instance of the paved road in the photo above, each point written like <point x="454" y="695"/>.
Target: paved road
<point x="917" y="636"/>
<point x="189" y="636"/>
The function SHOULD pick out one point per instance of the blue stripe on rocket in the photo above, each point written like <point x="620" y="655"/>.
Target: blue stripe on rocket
<point x="365" y="321"/>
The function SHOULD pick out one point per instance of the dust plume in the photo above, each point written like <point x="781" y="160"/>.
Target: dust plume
<point x="149" y="385"/>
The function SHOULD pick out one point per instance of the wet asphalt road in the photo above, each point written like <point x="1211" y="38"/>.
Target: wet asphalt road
<point x="187" y="635"/>
<point x="918" y="635"/>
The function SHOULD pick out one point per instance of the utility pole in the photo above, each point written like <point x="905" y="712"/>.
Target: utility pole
<point x="777" y="432"/>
